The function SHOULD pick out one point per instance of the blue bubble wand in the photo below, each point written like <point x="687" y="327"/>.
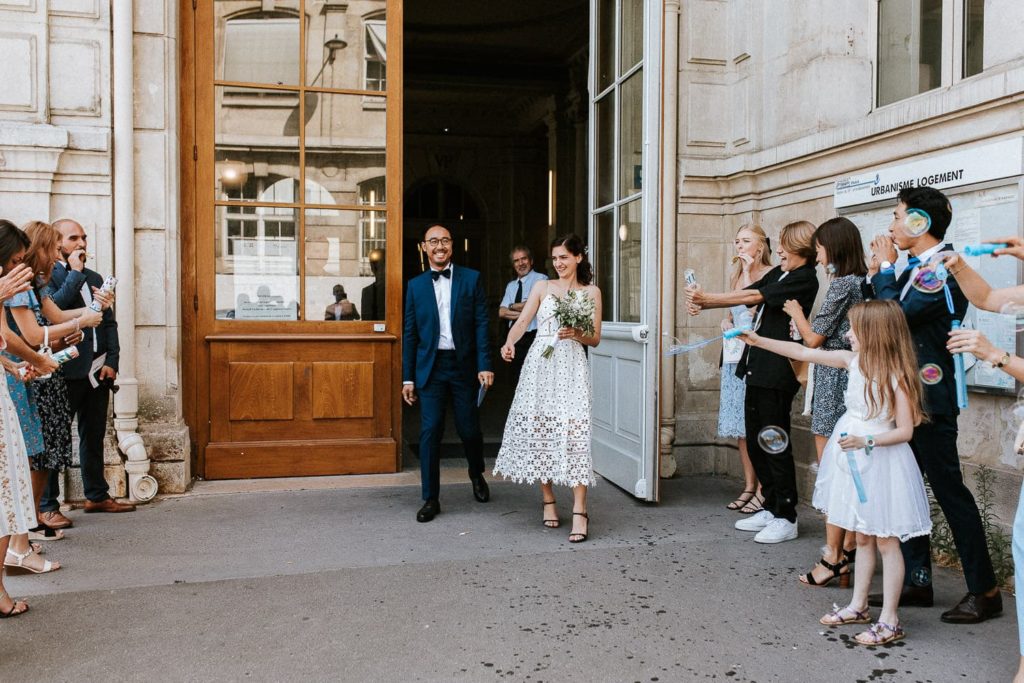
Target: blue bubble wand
<point x="960" y="374"/>
<point x="982" y="249"/>
<point x="851" y="460"/>
<point x="677" y="349"/>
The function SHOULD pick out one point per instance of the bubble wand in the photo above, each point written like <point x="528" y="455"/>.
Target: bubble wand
<point x="851" y="460"/>
<point x="677" y="349"/>
<point x="958" y="358"/>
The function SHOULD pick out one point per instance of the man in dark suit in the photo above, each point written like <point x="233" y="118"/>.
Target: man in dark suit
<point x="446" y="350"/>
<point x="89" y="397"/>
<point x="934" y="442"/>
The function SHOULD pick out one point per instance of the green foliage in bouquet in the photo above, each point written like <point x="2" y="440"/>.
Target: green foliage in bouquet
<point x="575" y="309"/>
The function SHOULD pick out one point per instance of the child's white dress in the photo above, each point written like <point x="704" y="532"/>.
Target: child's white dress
<point x="897" y="504"/>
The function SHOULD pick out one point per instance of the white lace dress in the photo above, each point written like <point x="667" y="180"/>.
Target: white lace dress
<point x="547" y="434"/>
<point x="17" y="506"/>
<point x="897" y="504"/>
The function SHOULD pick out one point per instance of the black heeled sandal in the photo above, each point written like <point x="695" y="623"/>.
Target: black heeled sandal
<point x="837" y="573"/>
<point x="14" y="611"/>
<point x="579" y="538"/>
<point x="550" y="523"/>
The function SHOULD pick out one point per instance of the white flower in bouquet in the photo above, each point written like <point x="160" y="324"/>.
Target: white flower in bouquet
<point x="575" y="309"/>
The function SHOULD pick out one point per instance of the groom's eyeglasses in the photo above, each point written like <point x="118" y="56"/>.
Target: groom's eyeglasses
<point x="443" y="241"/>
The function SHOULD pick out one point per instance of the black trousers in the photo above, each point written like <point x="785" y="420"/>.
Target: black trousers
<point x="776" y="471"/>
<point x="448" y="378"/>
<point x="522" y="348"/>
<point x="89" y="405"/>
<point x="934" y="446"/>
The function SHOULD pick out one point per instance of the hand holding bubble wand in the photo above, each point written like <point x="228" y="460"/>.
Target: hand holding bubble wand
<point x="851" y="460"/>
<point x="959" y="374"/>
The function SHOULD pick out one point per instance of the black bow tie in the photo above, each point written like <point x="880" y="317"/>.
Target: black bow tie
<point x="447" y="272"/>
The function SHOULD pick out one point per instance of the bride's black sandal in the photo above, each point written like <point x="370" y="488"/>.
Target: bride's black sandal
<point x="579" y="538"/>
<point x="551" y="523"/>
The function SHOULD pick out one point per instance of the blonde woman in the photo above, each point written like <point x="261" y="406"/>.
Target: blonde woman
<point x="752" y="261"/>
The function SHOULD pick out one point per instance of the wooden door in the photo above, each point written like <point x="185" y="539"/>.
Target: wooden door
<point x="294" y="247"/>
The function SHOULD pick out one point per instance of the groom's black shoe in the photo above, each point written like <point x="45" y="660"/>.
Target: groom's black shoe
<point x="480" y="489"/>
<point x="975" y="608"/>
<point x="430" y="509"/>
<point x="910" y="596"/>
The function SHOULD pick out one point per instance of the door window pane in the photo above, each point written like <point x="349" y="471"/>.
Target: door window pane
<point x="629" y="236"/>
<point x="344" y="146"/>
<point x="258" y="46"/>
<point x="345" y="258"/>
<point x="632" y="35"/>
<point x="256" y="263"/>
<point x="604" y="112"/>
<point x="631" y="134"/>
<point x="604" y="262"/>
<point x="257" y="142"/>
<point x="347" y="50"/>
<point x="974" y="37"/>
<point x="605" y="44"/>
<point x="909" y="48"/>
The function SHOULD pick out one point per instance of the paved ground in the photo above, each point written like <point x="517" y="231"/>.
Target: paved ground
<point x="343" y="585"/>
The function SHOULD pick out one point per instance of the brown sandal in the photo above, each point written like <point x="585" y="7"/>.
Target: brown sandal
<point x="551" y="523"/>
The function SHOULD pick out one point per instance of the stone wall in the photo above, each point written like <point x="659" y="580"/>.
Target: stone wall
<point x="776" y="106"/>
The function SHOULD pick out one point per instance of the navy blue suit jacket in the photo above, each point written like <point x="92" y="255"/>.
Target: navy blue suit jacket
<point x="422" y="326"/>
<point x="929" y="320"/>
<point x="67" y="294"/>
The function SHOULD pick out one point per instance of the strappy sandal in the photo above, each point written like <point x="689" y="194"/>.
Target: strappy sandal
<point x="577" y="537"/>
<point x="755" y="504"/>
<point x="841" y="616"/>
<point x="551" y="523"/>
<point x="850" y="555"/>
<point x="45" y="533"/>
<point x="14" y="611"/>
<point x="837" y="573"/>
<point x="19" y="563"/>
<point x="879" y="634"/>
<point x="741" y="500"/>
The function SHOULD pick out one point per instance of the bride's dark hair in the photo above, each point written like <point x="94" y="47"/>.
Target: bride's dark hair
<point x="574" y="245"/>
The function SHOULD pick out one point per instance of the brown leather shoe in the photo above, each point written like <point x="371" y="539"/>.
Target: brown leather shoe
<point x="910" y="596"/>
<point x="108" y="505"/>
<point x="55" y="520"/>
<point x="974" y="609"/>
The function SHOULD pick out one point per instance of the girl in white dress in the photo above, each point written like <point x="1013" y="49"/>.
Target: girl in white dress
<point x="547" y="434"/>
<point x="869" y="482"/>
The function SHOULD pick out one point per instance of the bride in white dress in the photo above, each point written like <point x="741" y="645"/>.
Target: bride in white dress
<point x="547" y="434"/>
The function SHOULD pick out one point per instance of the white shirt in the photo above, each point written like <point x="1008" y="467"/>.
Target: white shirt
<point x="528" y="280"/>
<point x="923" y="256"/>
<point x="443" y="296"/>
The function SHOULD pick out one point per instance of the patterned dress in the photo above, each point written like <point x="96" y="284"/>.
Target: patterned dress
<point x="49" y="397"/>
<point x="547" y="434"/>
<point x="17" y="506"/>
<point x="828" y="404"/>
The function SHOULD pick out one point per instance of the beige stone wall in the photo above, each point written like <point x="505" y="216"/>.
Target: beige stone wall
<point x="775" y="107"/>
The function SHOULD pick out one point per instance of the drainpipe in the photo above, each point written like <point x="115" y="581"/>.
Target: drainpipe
<point x="141" y="486"/>
<point x="669" y="219"/>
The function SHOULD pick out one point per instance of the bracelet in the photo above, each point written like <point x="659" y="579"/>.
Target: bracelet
<point x="78" y="324"/>
<point x="954" y="272"/>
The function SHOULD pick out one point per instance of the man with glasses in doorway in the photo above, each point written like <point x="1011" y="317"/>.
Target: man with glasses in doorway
<point x="446" y="351"/>
<point x="516" y="293"/>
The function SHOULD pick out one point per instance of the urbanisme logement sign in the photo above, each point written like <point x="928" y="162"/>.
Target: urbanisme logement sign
<point x="973" y="165"/>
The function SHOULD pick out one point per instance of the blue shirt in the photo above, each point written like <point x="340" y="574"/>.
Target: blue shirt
<point x="528" y="280"/>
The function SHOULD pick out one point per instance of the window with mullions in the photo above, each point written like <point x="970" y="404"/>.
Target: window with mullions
<point x="909" y="48"/>
<point x="372" y="228"/>
<point x="375" y="55"/>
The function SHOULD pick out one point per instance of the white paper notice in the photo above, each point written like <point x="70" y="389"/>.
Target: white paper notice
<point x="1001" y="331"/>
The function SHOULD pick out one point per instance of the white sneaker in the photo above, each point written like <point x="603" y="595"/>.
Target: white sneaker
<point x="755" y="522"/>
<point x="778" y="530"/>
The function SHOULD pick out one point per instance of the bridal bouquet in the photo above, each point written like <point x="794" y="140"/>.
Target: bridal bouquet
<point x="575" y="309"/>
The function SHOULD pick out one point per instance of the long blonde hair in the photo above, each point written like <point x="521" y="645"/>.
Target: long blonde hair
<point x="886" y="358"/>
<point x="766" y="252"/>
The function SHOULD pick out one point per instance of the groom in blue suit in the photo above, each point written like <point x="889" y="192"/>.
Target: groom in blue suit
<point x="446" y="350"/>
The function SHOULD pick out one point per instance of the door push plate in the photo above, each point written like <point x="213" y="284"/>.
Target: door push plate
<point x="640" y="334"/>
<point x="378" y="327"/>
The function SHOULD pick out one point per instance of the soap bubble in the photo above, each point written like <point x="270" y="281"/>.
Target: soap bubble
<point x="1017" y="311"/>
<point x="921" y="577"/>
<point x="931" y="374"/>
<point x="773" y="439"/>
<point x="917" y="222"/>
<point x="928" y="280"/>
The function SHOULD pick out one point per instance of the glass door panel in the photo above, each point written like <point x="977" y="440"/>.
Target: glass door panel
<point x="632" y="47"/>
<point x="629" y="262"/>
<point x="604" y="270"/>
<point x="604" y="114"/>
<point x="344" y="275"/>
<point x="631" y="135"/>
<point x="254" y="45"/>
<point x="348" y="50"/>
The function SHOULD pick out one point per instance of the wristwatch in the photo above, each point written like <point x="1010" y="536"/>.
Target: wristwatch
<point x="886" y="265"/>
<point x="869" y="443"/>
<point x="1004" y="360"/>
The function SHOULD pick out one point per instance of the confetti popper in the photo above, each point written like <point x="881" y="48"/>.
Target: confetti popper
<point x="982" y="249"/>
<point x="677" y="349"/>
<point x="959" y="373"/>
<point x="851" y="460"/>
